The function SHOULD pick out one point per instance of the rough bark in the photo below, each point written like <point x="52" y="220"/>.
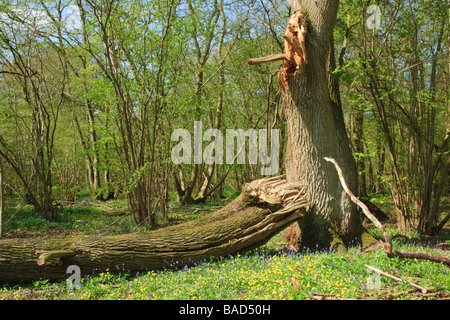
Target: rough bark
<point x="317" y="130"/>
<point x="264" y="208"/>
<point x="316" y="126"/>
<point x="1" y="199"/>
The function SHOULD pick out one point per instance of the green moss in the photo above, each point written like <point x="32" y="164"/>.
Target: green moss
<point x="367" y="239"/>
<point x="58" y="244"/>
<point x="338" y="245"/>
<point x="19" y="251"/>
<point x="337" y="242"/>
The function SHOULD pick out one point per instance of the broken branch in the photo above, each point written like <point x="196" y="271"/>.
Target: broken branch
<point x="294" y="50"/>
<point x="388" y="242"/>
<point x="271" y="58"/>
<point x="387" y="238"/>
<point x="45" y="256"/>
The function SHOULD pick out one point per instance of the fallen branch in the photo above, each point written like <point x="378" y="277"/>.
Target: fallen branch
<point x="398" y="279"/>
<point x="323" y="296"/>
<point x="263" y="209"/>
<point x="46" y="256"/>
<point x="388" y="243"/>
<point x="391" y="296"/>
<point x="422" y="256"/>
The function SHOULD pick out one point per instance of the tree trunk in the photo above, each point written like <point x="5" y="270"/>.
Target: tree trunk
<point x="317" y="130"/>
<point x="1" y="199"/>
<point x="264" y="208"/>
<point x="93" y="140"/>
<point x="358" y="142"/>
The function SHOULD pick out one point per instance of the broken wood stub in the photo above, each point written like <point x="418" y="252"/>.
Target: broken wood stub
<point x="294" y="50"/>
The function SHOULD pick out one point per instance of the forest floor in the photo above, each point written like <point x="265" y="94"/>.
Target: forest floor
<point x="270" y="272"/>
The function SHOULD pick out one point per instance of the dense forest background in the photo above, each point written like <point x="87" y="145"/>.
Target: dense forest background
<point x="92" y="90"/>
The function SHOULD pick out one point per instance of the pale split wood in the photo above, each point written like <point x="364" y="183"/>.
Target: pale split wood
<point x="276" y="190"/>
<point x="45" y="256"/>
<point x="295" y="54"/>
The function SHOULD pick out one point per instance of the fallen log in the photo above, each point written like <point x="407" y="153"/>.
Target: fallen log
<point x="264" y="208"/>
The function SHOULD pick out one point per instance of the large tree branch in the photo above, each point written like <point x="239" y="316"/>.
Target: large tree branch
<point x="264" y="208"/>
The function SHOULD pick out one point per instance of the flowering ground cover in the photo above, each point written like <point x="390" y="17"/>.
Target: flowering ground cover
<point x="266" y="273"/>
<point x="261" y="274"/>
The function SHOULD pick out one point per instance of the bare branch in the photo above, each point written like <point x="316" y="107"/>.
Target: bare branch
<point x="271" y="58"/>
<point x="398" y="279"/>
<point x="387" y="238"/>
<point x="388" y="243"/>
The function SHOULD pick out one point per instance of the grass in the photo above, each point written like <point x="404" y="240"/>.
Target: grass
<point x="84" y="218"/>
<point x="267" y="273"/>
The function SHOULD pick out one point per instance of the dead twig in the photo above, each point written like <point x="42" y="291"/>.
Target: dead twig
<point x="323" y="296"/>
<point x="391" y="296"/>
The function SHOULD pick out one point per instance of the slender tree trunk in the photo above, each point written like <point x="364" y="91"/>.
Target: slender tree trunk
<point x="316" y="130"/>
<point x="1" y="199"/>
<point x="203" y="50"/>
<point x="358" y="142"/>
<point x="381" y="159"/>
<point x="427" y="221"/>
<point x="91" y="162"/>
<point x="93" y="139"/>
<point x="212" y="169"/>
